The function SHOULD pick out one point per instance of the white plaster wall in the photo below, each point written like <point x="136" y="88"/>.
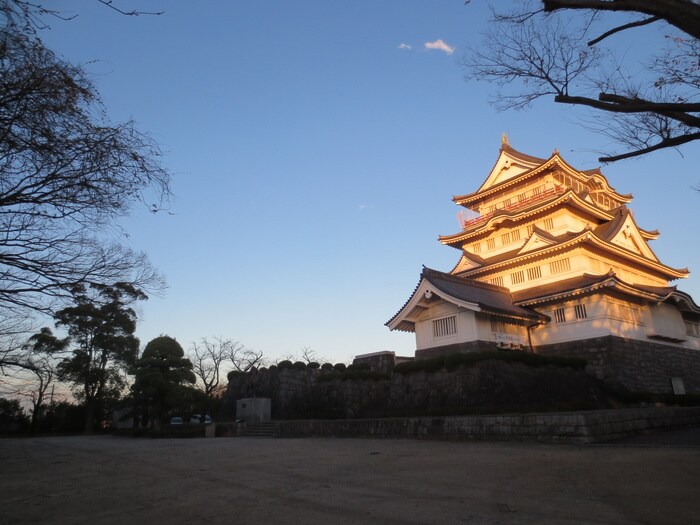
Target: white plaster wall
<point x="606" y="316"/>
<point x="466" y="326"/>
<point x="665" y="320"/>
<point x="484" y="332"/>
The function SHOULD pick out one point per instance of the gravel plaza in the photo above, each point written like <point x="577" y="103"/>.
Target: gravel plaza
<point x="104" y="479"/>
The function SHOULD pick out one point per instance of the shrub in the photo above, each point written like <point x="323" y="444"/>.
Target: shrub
<point x="272" y="368"/>
<point x="453" y="361"/>
<point x="339" y="367"/>
<point x="313" y="365"/>
<point x="326" y="366"/>
<point x="359" y="366"/>
<point x="233" y="374"/>
<point x="353" y="375"/>
<point x="299" y="365"/>
<point x="286" y="364"/>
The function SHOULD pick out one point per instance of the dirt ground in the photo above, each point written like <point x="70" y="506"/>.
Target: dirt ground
<point x="247" y="480"/>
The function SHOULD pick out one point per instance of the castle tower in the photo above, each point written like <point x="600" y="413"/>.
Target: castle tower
<point x="550" y="257"/>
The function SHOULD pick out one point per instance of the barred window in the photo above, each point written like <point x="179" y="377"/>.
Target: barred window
<point x="559" y="315"/>
<point x="505" y="239"/>
<point x="476" y="247"/>
<point x="534" y="273"/>
<point x="692" y="327"/>
<point x="521" y="197"/>
<point x="503" y="327"/>
<point x="529" y="229"/>
<point x="517" y="277"/>
<point x="548" y="224"/>
<point x="515" y="235"/>
<point x="445" y="326"/>
<point x="559" y="266"/>
<point x="490" y="244"/>
<point x="498" y="281"/>
<point x="580" y="310"/>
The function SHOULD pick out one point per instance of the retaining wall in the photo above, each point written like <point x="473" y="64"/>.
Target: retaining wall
<point x="638" y="366"/>
<point x="583" y="427"/>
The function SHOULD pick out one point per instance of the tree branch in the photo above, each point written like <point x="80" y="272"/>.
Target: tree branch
<point x="134" y="12"/>
<point x="683" y="14"/>
<point x="666" y="143"/>
<point x="621" y="104"/>
<point x="639" y="23"/>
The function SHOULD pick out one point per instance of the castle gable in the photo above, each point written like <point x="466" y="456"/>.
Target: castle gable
<point x="623" y="231"/>
<point x="538" y="240"/>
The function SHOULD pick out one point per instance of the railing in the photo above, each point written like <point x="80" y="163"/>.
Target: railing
<point x="557" y="190"/>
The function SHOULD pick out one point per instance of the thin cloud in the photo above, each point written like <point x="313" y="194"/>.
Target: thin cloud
<point x="404" y="46"/>
<point x="440" y="45"/>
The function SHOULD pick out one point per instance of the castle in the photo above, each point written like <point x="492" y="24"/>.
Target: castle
<point x="552" y="261"/>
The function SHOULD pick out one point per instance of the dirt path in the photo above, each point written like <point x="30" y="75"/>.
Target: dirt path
<point x="246" y="480"/>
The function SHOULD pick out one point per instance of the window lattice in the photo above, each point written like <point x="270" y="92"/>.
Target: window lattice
<point x="580" y="310"/>
<point x="692" y="327"/>
<point x="517" y="277"/>
<point x="559" y="266"/>
<point x="534" y="273"/>
<point x="498" y="281"/>
<point x="490" y="244"/>
<point x="515" y="235"/>
<point x="476" y="247"/>
<point x="501" y="326"/>
<point x="505" y="238"/>
<point x="559" y="315"/>
<point x="445" y="326"/>
<point x="548" y="224"/>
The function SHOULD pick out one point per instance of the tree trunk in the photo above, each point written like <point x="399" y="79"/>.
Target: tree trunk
<point x="89" y="416"/>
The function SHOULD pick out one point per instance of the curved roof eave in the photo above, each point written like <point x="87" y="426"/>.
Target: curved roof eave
<point x="555" y="159"/>
<point x="504" y="215"/>
<point x="584" y="236"/>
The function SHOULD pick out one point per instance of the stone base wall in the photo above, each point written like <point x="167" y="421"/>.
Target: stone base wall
<point x="490" y="385"/>
<point x="583" y="427"/>
<point x="639" y="366"/>
<point x="469" y="346"/>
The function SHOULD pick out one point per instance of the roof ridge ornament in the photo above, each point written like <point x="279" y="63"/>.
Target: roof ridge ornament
<point x="504" y="139"/>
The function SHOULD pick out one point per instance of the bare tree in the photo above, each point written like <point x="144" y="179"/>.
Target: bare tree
<point x="212" y="359"/>
<point x="66" y="173"/>
<point x="564" y="49"/>
<point x="32" y="368"/>
<point x="43" y="350"/>
<point x="307" y="355"/>
<point x="207" y="357"/>
<point x="244" y="359"/>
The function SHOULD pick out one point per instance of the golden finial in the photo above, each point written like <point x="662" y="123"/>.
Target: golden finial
<point x="504" y="140"/>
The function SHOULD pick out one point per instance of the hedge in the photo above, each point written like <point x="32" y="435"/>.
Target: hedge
<point x="453" y="361"/>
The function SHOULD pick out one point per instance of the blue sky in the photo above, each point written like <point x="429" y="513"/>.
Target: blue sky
<point x="314" y="158"/>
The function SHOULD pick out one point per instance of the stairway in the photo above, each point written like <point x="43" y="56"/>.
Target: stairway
<point x="268" y="430"/>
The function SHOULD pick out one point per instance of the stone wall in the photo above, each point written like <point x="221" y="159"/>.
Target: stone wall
<point x="638" y="366"/>
<point x="490" y="385"/>
<point x="581" y="427"/>
<point x="469" y="346"/>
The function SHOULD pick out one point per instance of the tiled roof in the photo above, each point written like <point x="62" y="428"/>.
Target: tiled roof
<point x="489" y="297"/>
<point x="585" y="283"/>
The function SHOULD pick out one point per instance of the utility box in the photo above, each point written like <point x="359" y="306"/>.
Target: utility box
<point x="253" y="409"/>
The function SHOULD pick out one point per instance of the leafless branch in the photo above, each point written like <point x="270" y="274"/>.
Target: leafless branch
<point x="623" y="27"/>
